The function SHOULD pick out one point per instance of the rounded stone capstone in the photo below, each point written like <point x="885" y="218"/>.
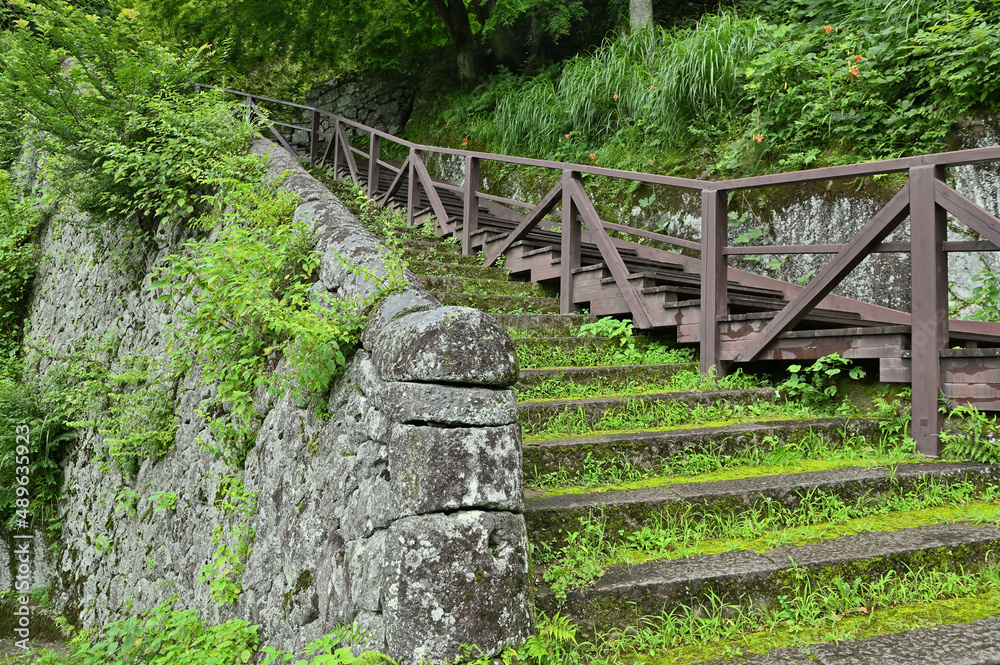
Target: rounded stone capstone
<point x="445" y="345"/>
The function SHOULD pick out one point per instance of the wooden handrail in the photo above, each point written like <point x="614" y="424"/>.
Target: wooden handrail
<point x="926" y="199"/>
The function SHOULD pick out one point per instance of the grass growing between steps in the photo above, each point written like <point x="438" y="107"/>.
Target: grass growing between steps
<point x="819" y="515"/>
<point x="682" y="381"/>
<point x="635" y="414"/>
<point x="848" y="611"/>
<point x="812" y="452"/>
<point x="621" y="348"/>
<point x="839" y="610"/>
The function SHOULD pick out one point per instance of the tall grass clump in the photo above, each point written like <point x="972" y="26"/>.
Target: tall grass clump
<point x="653" y="81"/>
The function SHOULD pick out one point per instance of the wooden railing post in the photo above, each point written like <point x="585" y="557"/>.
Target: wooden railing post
<point x="337" y="147"/>
<point x="714" y="237"/>
<point x="374" y="153"/>
<point x="569" y="245"/>
<point x="470" y="211"/>
<point x="314" y="138"/>
<point x="929" y="304"/>
<point x="412" y="198"/>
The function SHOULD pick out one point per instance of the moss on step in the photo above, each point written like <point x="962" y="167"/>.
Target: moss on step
<point x="499" y="303"/>
<point x="680" y="526"/>
<point x="566" y="458"/>
<point x="736" y="473"/>
<point x="836" y="628"/>
<point x="485" y="287"/>
<point x="455" y="270"/>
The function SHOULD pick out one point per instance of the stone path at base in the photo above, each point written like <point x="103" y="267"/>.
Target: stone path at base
<point x="975" y="643"/>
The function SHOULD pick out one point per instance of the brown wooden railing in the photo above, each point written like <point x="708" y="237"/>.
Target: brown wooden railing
<point x="926" y="200"/>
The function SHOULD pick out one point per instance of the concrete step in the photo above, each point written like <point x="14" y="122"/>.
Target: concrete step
<point x="534" y="415"/>
<point x="651" y="374"/>
<point x="550" y="518"/>
<point x="974" y="643"/>
<point x="647" y="449"/>
<point x="437" y="252"/>
<point x="489" y="287"/>
<point x="456" y="270"/>
<point x="575" y="351"/>
<point x="625" y="595"/>
<point x="499" y="304"/>
<point x="543" y="325"/>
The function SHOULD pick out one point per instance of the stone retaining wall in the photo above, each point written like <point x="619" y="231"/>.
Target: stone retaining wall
<point x="401" y="513"/>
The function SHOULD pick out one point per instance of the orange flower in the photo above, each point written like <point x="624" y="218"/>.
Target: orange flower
<point x="651" y="161"/>
<point x="650" y="87"/>
<point x="593" y="156"/>
<point x="465" y="140"/>
<point x="615" y="96"/>
<point x="567" y="135"/>
<point x="857" y="58"/>
<point x="758" y="137"/>
<point x="854" y="72"/>
<point x="828" y="28"/>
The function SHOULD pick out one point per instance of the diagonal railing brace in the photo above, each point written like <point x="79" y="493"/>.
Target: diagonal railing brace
<point x="612" y="259"/>
<point x="878" y="228"/>
<point x="543" y="208"/>
<point x="968" y="211"/>
<point x="432" y="194"/>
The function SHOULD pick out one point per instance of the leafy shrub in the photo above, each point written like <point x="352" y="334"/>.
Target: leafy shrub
<point x="816" y="385"/>
<point x="130" y="402"/>
<point x="109" y="110"/>
<point x="165" y="636"/>
<point x="245" y="302"/>
<point x="985" y="299"/>
<point x="169" y="636"/>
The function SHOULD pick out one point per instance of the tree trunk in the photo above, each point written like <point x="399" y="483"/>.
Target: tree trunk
<point x="506" y="46"/>
<point x="640" y="13"/>
<point x="455" y="17"/>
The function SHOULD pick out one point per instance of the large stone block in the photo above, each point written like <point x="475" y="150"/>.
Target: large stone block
<point x="447" y="468"/>
<point x="445" y="345"/>
<point x="428" y="403"/>
<point x="454" y="582"/>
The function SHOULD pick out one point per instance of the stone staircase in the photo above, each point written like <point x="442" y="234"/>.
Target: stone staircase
<point x="675" y="518"/>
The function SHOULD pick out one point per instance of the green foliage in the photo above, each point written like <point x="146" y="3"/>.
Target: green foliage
<point x="389" y="34"/>
<point x="246" y="301"/>
<point x="18" y="263"/>
<point x="234" y="539"/>
<point x="976" y="438"/>
<point x="554" y="641"/>
<point x="225" y="571"/>
<point x="552" y="17"/>
<point x="164" y="500"/>
<point x="334" y="648"/>
<point x="761" y="88"/>
<point x="123" y="133"/>
<point x="30" y="441"/>
<point x="166" y="636"/>
<point x="652" y="79"/>
<point x="129" y="402"/>
<point x="985" y="297"/>
<point x="816" y="385"/>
